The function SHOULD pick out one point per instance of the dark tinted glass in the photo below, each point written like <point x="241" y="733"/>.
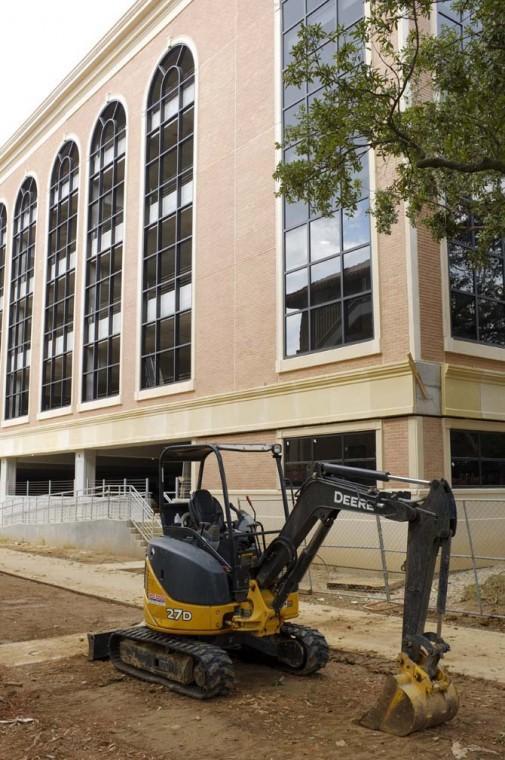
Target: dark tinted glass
<point x="478" y="458"/>
<point x="493" y="445"/>
<point x="490" y="278"/>
<point x="358" y="321"/>
<point x="354" y="449"/>
<point x="359" y="445"/>
<point x="493" y="473"/>
<point x="491" y="321"/>
<point x="465" y="473"/>
<point x="463" y="316"/>
<point x="464" y="443"/>
<point x="327" y="326"/>
<point x="328" y="448"/>
<point x="298" y="449"/>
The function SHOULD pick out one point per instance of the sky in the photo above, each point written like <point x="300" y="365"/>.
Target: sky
<point x="41" y="43"/>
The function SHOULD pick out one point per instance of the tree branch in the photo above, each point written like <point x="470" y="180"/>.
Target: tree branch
<point x="438" y="162"/>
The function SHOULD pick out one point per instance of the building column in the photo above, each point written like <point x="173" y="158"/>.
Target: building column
<point x="7" y="477"/>
<point x="85" y="469"/>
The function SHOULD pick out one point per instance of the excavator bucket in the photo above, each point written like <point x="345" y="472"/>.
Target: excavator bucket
<point x="412" y="701"/>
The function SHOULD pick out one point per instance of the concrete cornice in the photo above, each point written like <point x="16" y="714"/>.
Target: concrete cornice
<point x="474" y="374"/>
<point x="126" y="33"/>
<point x="473" y="392"/>
<point x="369" y="375"/>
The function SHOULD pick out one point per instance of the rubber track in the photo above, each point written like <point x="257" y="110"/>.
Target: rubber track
<point x="317" y="652"/>
<point x="216" y="663"/>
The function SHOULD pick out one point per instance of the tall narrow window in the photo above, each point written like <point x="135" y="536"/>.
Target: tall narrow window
<point x="21" y="301"/>
<point x="477" y="291"/>
<point x="102" y="316"/>
<point x="168" y="221"/>
<point x="3" y="248"/>
<point x="60" y="279"/>
<point x="328" y="283"/>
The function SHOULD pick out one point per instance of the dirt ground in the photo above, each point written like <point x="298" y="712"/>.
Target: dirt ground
<point x="87" y="710"/>
<point x="30" y="610"/>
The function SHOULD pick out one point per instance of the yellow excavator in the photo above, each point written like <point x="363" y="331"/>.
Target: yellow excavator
<point x="216" y="583"/>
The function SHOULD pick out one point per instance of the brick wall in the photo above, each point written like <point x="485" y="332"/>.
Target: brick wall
<point x="243" y="471"/>
<point x="430" y="296"/>
<point x="433" y="444"/>
<point x="395" y="448"/>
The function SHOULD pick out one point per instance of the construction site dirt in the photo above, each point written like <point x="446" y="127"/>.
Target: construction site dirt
<point x="71" y="709"/>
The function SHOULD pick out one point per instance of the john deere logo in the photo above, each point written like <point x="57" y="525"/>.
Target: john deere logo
<point x="354" y="502"/>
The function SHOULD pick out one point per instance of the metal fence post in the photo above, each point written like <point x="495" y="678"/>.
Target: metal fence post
<point x="384" y="563"/>
<point x="472" y="554"/>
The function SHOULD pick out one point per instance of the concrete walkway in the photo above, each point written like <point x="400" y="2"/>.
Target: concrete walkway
<point x="17" y="653"/>
<point x="475" y="652"/>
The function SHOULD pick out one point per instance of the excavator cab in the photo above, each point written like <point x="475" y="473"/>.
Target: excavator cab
<point x="224" y="531"/>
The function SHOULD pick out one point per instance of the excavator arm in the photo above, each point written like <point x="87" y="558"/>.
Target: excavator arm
<point x="421" y="695"/>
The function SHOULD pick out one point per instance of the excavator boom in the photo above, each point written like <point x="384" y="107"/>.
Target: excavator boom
<point x="421" y="695"/>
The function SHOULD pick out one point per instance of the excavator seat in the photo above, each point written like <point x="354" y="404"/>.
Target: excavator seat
<point x="205" y="510"/>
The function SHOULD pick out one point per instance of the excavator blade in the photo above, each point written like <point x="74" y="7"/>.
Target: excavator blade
<point x="412" y="701"/>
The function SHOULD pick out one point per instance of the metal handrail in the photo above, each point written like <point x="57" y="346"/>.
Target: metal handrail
<point x="120" y="502"/>
<point x="56" y="487"/>
<point x="144" y="526"/>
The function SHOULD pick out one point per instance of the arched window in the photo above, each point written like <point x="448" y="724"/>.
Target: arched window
<point x="102" y="315"/>
<point x="168" y="222"/>
<point x="21" y="301"/>
<point x="3" y="248"/>
<point x="60" y="279"/>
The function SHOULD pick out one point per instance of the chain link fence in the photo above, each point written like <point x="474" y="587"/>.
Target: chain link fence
<point x="364" y="556"/>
